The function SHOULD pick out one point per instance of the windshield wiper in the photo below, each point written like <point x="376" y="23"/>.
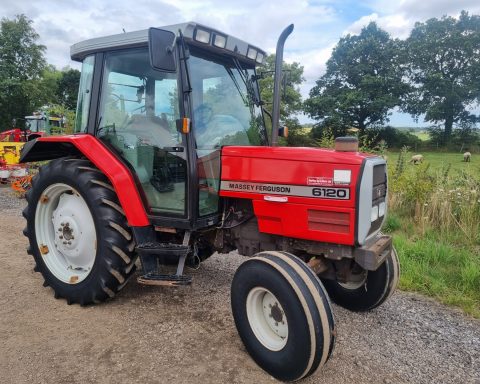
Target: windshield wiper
<point x="234" y="79"/>
<point x="248" y="83"/>
<point x="184" y="55"/>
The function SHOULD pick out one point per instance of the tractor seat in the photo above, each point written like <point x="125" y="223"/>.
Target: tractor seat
<point x="151" y="128"/>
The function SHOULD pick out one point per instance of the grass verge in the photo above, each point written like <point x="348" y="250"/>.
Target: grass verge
<point x="438" y="266"/>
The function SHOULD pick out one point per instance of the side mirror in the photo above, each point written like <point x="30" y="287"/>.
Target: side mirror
<point x="160" y="45"/>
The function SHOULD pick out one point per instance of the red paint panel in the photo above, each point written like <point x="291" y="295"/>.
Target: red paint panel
<point x="292" y="220"/>
<point x="315" y="155"/>
<point x="320" y="219"/>
<point x="120" y="176"/>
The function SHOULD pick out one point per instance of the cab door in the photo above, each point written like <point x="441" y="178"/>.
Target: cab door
<point x="137" y="116"/>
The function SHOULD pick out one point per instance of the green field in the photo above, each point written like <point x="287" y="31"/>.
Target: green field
<point x="434" y="219"/>
<point x="440" y="160"/>
<point x="422" y="135"/>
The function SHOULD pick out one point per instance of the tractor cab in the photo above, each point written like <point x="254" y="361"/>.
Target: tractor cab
<point x="41" y="123"/>
<point x="166" y="101"/>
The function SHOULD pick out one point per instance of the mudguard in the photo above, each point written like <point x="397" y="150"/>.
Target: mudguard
<point x="47" y="148"/>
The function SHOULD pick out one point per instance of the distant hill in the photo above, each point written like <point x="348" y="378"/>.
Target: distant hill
<point x="416" y="129"/>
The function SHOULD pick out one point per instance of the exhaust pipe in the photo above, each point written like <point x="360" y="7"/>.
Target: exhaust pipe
<point x="277" y="83"/>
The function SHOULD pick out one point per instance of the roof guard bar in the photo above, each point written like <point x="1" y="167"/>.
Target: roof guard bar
<point x="277" y="83"/>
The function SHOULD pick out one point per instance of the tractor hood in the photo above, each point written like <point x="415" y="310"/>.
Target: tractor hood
<point x="306" y="193"/>
<point x="303" y="154"/>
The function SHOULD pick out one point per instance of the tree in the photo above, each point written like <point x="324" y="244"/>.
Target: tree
<point x="444" y="57"/>
<point x="21" y="65"/>
<point x="291" y="101"/>
<point x="363" y="81"/>
<point x="67" y="91"/>
<point x="43" y="91"/>
<point x="291" y="98"/>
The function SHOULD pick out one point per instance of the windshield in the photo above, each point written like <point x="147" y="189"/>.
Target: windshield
<point x="224" y="112"/>
<point x="35" y="125"/>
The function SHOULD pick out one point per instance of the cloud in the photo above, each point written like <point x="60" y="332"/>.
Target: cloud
<point x="257" y="22"/>
<point x="398" y="18"/>
<point x="396" y="25"/>
<point x="314" y="66"/>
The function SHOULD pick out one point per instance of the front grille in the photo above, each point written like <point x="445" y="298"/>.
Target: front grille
<point x="379" y="193"/>
<point x="328" y="221"/>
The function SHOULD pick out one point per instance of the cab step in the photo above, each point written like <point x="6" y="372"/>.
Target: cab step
<point x="149" y="254"/>
<point x="164" y="280"/>
<point x="162" y="249"/>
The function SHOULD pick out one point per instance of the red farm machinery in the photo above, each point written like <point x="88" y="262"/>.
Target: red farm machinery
<point x="171" y="162"/>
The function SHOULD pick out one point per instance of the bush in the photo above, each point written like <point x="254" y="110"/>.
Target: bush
<point x="332" y="126"/>
<point x="394" y="138"/>
<point x="436" y="199"/>
<point x="462" y="139"/>
<point x="392" y="223"/>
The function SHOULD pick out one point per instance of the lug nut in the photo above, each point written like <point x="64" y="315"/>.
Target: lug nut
<point x="65" y="242"/>
<point x="62" y="224"/>
<point x="61" y="237"/>
<point x="69" y="242"/>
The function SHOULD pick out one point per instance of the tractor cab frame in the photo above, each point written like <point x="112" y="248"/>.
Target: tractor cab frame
<point x="168" y="121"/>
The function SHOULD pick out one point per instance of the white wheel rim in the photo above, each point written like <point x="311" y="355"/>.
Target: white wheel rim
<point x="65" y="233"/>
<point x="355" y="284"/>
<point x="267" y="318"/>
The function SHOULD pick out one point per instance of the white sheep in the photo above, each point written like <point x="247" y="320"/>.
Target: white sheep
<point x="467" y="156"/>
<point x="416" y="159"/>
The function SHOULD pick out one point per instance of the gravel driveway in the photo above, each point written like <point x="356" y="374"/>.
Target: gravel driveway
<point x="187" y="335"/>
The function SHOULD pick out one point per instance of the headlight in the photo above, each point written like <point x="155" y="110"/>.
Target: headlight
<point x="374" y="213"/>
<point x="381" y="209"/>
<point x="252" y="53"/>
<point x="220" y="41"/>
<point x="260" y="58"/>
<point x="202" y="36"/>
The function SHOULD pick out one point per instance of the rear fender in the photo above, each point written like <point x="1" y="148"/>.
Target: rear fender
<point x="53" y="147"/>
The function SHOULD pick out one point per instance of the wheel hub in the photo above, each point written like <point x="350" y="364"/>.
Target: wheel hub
<point x="69" y="220"/>
<point x="65" y="239"/>
<point x="67" y="231"/>
<point x="276" y="313"/>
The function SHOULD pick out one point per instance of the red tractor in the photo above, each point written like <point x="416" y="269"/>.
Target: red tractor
<point x="171" y="162"/>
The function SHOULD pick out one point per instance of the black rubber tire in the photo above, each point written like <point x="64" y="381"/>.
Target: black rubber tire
<point x="379" y="286"/>
<point x="115" y="258"/>
<point x="307" y="309"/>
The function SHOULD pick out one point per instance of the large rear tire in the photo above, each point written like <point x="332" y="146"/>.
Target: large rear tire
<point x="283" y="315"/>
<point x="78" y="232"/>
<point x="376" y="287"/>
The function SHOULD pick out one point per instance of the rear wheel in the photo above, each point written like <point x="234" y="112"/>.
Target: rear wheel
<point x="78" y="232"/>
<point x="370" y="290"/>
<point x="283" y="315"/>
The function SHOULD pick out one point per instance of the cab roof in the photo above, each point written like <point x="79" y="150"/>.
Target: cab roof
<point x="234" y="46"/>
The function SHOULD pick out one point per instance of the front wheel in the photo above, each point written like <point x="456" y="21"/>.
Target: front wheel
<point x="78" y="233"/>
<point x="369" y="292"/>
<point x="283" y="315"/>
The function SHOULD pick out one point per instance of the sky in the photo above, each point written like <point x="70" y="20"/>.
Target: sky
<point x="319" y="24"/>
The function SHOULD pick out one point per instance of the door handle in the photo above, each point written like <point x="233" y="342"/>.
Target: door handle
<point x="173" y="149"/>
